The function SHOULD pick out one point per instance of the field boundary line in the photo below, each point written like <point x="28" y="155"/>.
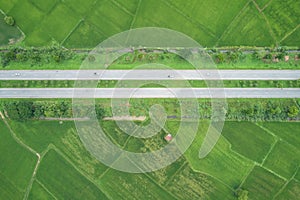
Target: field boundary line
<point x="227" y="29"/>
<point x="271" y="171"/>
<point x="21" y="143"/>
<point x="13" y="134"/>
<point x="135" y="14"/>
<point x="177" y="172"/>
<point x="257" y="6"/>
<point x="32" y="177"/>
<point x="266" y="5"/>
<point x="245" y="178"/>
<point x="207" y="174"/>
<point x="121" y="7"/>
<point x="290" y="33"/>
<point x="286" y="183"/>
<point x="123" y="146"/>
<point x="72" y="31"/>
<point x="270" y="28"/>
<point x="45" y="188"/>
<point x="19" y="29"/>
<point x="270" y="150"/>
<point x="152" y="180"/>
<point x="60" y="153"/>
<point x="194" y="22"/>
<point x="235" y="152"/>
<point x="268" y="131"/>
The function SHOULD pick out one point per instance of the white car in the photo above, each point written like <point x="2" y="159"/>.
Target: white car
<point x="17" y="74"/>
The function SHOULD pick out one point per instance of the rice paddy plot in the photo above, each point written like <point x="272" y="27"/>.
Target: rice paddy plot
<point x="287" y="131"/>
<point x="17" y="164"/>
<point x="211" y="14"/>
<point x="64" y="181"/>
<point x="262" y="184"/>
<point x="247" y="29"/>
<point x="291" y="191"/>
<point x="188" y="184"/>
<point x="283" y="16"/>
<point x="131" y="186"/>
<point x="26" y="16"/>
<point x="221" y="163"/>
<point x="248" y="139"/>
<point x="284" y="159"/>
<point x="39" y="192"/>
<point x="8" y="34"/>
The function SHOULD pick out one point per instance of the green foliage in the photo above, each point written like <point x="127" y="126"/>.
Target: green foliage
<point x="9" y="20"/>
<point x="242" y="194"/>
<point x="19" y="110"/>
<point x="24" y="110"/>
<point x="35" y="56"/>
<point x="293" y="111"/>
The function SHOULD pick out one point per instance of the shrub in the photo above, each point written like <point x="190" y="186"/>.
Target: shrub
<point x="9" y="20"/>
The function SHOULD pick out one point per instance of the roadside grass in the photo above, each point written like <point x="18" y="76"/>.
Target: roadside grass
<point x="119" y="185"/>
<point x="291" y="191"/>
<point x="283" y="16"/>
<point x="284" y="159"/>
<point x="188" y="184"/>
<point x="248" y="139"/>
<point x="262" y="184"/>
<point x="38" y="192"/>
<point x="64" y="181"/>
<point x="289" y="132"/>
<point x="148" y="84"/>
<point x="247" y="29"/>
<point x="147" y="60"/>
<point x="17" y="163"/>
<point x="221" y="162"/>
<point x="8" y="32"/>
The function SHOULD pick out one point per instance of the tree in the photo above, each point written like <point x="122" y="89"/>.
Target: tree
<point x="9" y="20"/>
<point x="25" y="109"/>
<point x="99" y="111"/>
<point x="220" y="58"/>
<point x="293" y="111"/>
<point x="242" y="194"/>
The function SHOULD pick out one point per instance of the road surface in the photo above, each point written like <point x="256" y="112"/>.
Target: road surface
<point x="150" y="74"/>
<point x="149" y="93"/>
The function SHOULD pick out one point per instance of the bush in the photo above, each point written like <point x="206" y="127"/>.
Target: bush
<point x="9" y="20"/>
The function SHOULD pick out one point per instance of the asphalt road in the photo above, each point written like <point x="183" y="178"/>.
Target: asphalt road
<point x="149" y="93"/>
<point x="150" y="74"/>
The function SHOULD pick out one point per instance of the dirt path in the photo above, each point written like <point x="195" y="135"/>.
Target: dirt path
<point x="29" y="149"/>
